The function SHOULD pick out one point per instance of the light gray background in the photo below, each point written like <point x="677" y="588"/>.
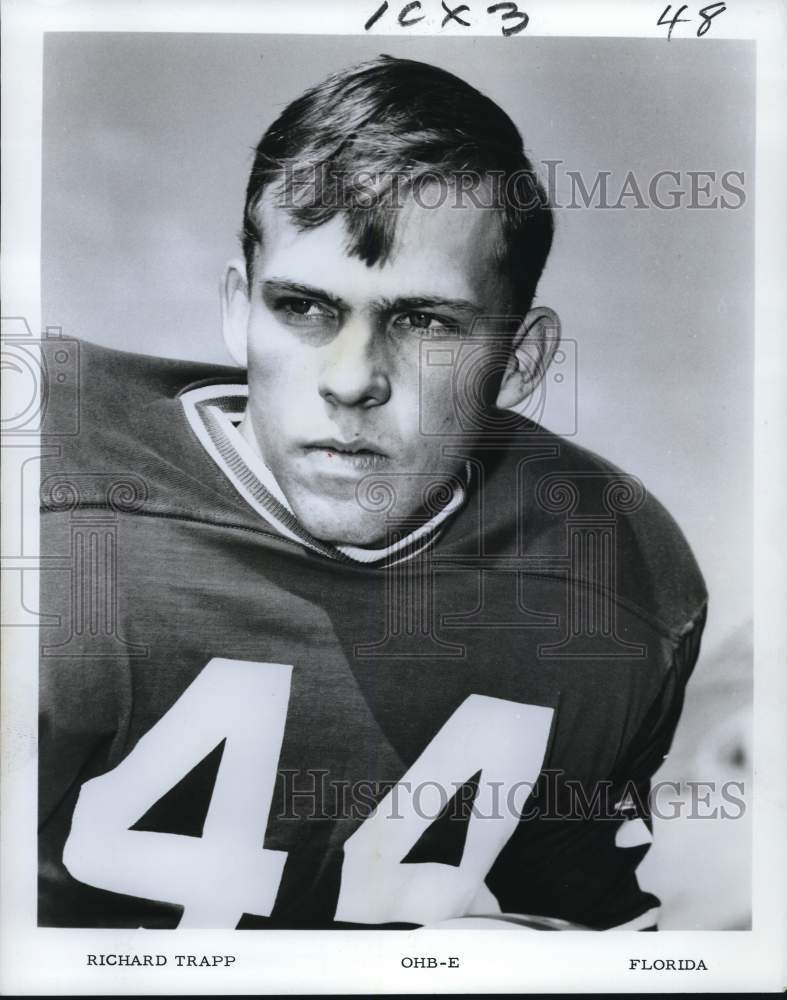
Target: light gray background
<point x="148" y="140"/>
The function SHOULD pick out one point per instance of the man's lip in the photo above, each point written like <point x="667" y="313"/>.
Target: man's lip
<point x="354" y="447"/>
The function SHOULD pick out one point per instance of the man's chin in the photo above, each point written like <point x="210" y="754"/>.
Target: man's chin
<point x="351" y="526"/>
<point x="372" y="518"/>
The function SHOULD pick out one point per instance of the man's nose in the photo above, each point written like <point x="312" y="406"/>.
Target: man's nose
<point x="354" y="373"/>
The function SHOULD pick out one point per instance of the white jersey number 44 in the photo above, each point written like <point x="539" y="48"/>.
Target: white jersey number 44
<point x="226" y="872"/>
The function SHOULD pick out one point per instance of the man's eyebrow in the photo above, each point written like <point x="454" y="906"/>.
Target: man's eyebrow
<point x="283" y="286"/>
<point x="412" y="302"/>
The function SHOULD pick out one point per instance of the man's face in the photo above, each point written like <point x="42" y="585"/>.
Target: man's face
<point x="338" y="393"/>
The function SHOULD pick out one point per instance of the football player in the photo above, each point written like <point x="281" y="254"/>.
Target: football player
<point x="336" y="638"/>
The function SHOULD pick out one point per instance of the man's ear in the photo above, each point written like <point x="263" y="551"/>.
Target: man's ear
<point x="234" y="292"/>
<point x="533" y="348"/>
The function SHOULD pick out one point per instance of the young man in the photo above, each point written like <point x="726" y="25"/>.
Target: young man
<point x="348" y="642"/>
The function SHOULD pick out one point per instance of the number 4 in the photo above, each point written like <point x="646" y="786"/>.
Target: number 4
<point x="226" y="872"/>
<point x="507" y="742"/>
<point x="676" y="19"/>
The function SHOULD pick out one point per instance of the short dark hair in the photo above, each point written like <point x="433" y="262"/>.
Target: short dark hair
<point x="398" y="123"/>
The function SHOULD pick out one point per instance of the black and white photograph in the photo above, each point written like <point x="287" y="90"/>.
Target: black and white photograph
<point x="384" y="537"/>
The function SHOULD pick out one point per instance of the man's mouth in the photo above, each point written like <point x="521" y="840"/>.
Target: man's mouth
<point x="359" y="454"/>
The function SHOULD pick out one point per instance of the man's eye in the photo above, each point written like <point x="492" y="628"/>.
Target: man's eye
<point x="303" y="311"/>
<point x="424" y="322"/>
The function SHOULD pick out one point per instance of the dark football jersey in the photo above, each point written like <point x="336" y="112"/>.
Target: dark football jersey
<point x="240" y="728"/>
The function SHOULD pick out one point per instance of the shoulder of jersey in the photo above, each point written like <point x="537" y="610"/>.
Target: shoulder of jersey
<point x="542" y="490"/>
<point x="118" y="434"/>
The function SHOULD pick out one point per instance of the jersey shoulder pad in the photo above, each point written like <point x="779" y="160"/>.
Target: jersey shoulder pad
<point x="119" y="433"/>
<point x="542" y="488"/>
